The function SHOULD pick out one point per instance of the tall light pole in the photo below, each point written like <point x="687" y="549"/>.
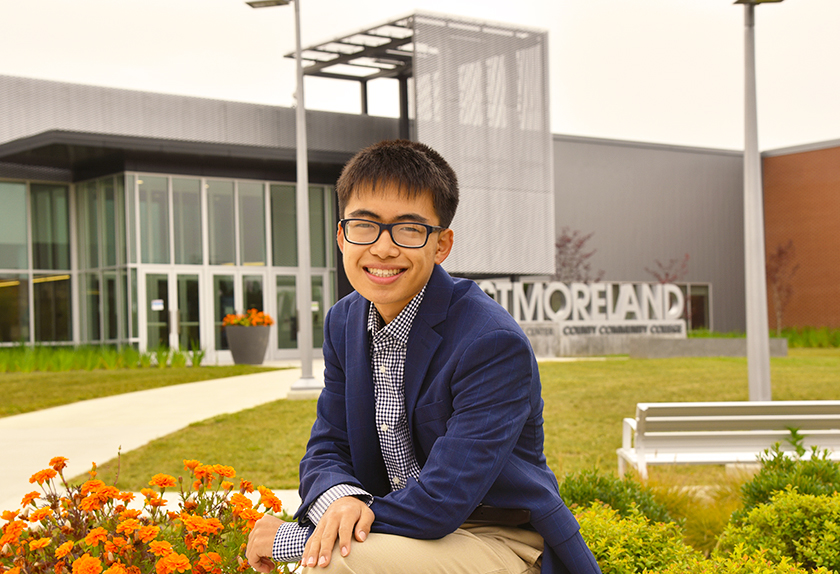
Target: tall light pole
<point x="758" y="333"/>
<point x="306" y="386"/>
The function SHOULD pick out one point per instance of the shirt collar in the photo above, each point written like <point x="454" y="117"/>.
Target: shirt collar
<point x="401" y="325"/>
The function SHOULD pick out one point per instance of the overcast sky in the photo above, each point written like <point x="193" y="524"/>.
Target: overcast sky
<point x="664" y="71"/>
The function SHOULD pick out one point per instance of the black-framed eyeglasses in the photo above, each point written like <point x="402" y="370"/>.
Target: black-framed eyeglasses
<point x="367" y="232"/>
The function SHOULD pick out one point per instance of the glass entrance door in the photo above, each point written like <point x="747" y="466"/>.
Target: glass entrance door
<point x="173" y="310"/>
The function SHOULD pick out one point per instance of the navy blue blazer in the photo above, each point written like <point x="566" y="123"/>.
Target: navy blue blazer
<point x="472" y="394"/>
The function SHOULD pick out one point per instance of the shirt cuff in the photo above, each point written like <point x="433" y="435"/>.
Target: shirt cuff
<point x="319" y="507"/>
<point x="289" y="542"/>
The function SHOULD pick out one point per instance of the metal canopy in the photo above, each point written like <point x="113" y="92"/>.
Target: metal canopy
<point x="384" y="51"/>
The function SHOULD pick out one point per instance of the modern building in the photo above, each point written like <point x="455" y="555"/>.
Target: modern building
<point x="142" y="218"/>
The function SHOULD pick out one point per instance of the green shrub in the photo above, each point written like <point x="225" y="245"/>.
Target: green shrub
<point x="817" y="475"/>
<point x="179" y="358"/>
<point x="622" y="494"/>
<point x="821" y="337"/>
<point x="801" y="527"/>
<point x="706" y="334"/>
<point x="632" y="543"/>
<point x="742" y="562"/>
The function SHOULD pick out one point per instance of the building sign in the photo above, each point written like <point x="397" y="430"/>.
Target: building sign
<point x="587" y="309"/>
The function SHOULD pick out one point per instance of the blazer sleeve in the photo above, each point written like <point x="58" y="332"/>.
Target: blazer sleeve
<point x="490" y="385"/>
<point x="327" y="461"/>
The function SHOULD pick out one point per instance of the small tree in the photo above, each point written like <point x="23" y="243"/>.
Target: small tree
<point x="571" y="260"/>
<point x="780" y="271"/>
<point x="671" y="272"/>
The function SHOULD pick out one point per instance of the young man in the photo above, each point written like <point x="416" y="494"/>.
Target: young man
<point x="427" y="452"/>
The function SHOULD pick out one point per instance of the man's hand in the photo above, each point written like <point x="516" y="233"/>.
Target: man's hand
<point x="345" y="518"/>
<point x="261" y="543"/>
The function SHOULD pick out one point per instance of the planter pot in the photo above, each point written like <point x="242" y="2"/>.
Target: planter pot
<point x="247" y="344"/>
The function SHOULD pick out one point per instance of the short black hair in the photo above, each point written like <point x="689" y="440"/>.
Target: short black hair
<point x="412" y="167"/>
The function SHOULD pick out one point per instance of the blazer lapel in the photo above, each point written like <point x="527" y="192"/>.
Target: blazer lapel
<point x="423" y="340"/>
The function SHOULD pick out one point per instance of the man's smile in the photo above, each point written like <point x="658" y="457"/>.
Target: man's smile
<point x="383" y="272"/>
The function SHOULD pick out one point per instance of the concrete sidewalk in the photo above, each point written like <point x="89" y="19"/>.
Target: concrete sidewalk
<point x="93" y="430"/>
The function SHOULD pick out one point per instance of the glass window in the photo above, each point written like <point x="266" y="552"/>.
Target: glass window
<point x="189" y="332"/>
<point x="50" y="227"/>
<point x="119" y="195"/>
<point x="186" y="209"/>
<point x="135" y="326"/>
<point x="286" y="312"/>
<point x="154" y="219"/>
<point x="252" y="292"/>
<point x="52" y="298"/>
<point x="220" y="202"/>
<point x="251" y="223"/>
<point x="223" y="305"/>
<point x="13" y="218"/>
<point x="319" y="309"/>
<point x="157" y="310"/>
<point x="92" y="306"/>
<point x="88" y="225"/>
<point x="317" y="228"/>
<point x="110" y="306"/>
<point x="697" y="307"/>
<point x="109" y="225"/>
<point x="283" y="225"/>
<point x="14" y="308"/>
<point x="132" y="222"/>
<point x="125" y="310"/>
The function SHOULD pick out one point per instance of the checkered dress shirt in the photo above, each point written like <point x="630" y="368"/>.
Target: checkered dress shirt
<point x="388" y="349"/>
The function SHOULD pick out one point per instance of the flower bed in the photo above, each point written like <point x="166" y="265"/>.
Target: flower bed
<point x="90" y="529"/>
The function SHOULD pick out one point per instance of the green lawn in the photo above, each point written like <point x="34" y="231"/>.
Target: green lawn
<point x="585" y="403"/>
<point x="25" y="392"/>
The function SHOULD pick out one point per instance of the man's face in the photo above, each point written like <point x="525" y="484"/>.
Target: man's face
<point x="386" y="274"/>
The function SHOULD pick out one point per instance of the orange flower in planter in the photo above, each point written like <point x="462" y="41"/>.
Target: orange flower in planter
<point x="87" y="564"/>
<point x="252" y="318"/>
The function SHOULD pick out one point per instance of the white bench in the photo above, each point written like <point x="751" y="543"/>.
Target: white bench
<point x="723" y="432"/>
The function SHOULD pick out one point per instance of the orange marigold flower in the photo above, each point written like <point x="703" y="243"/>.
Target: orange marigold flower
<point x="191" y="464"/>
<point x="246" y="486"/>
<point x="14" y="570"/>
<point x="157" y="502"/>
<point x="129" y="513"/>
<point x="241" y="500"/>
<point x="251" y="516"/>
<point x="27" y="500"/>
<point x="149" y="493"/>
<point x="148" y="533"/>
<point x="200" y="543"/>
<point x="11" y="533"/>
<point x="269" y="499"/>
<point x="173" y="563"/>
<point x="160" y="548"/>
<point x="58" y="463"/>
<point x="90" y="503"/>
<point x="227" y="485"/>
<point x="92" y="471"/>
<point x="40" y="514"/>
<point x="119" y="542"/>
<point x="8" y="515"/>
<point x="128" y="526"/>
<point x="87" y="564"/>
<point x="39" y="543"/>
<point x="197" y="485"/>
<point x="226" y="471"/>
<point x="116" y="568"/>
<point x="210" y="562"/>
<point x="42" y="476"/>
<point x="91" y="485"/>
<point x="125" y="496"/>
<point x="64" y="549"/>
<point x="162" y="480"/>
<point x="95" y="536"/>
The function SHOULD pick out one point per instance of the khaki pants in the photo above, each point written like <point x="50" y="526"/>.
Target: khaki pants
<point x="472" y="549"/>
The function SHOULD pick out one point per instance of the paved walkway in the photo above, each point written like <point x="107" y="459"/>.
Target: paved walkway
<point x="93" y="430"/>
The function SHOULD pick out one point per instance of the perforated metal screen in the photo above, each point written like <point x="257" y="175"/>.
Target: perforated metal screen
<point x="481" y="100"/>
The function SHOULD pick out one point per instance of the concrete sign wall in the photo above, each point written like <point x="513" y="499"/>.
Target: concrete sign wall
<point x="590" y="318"/>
